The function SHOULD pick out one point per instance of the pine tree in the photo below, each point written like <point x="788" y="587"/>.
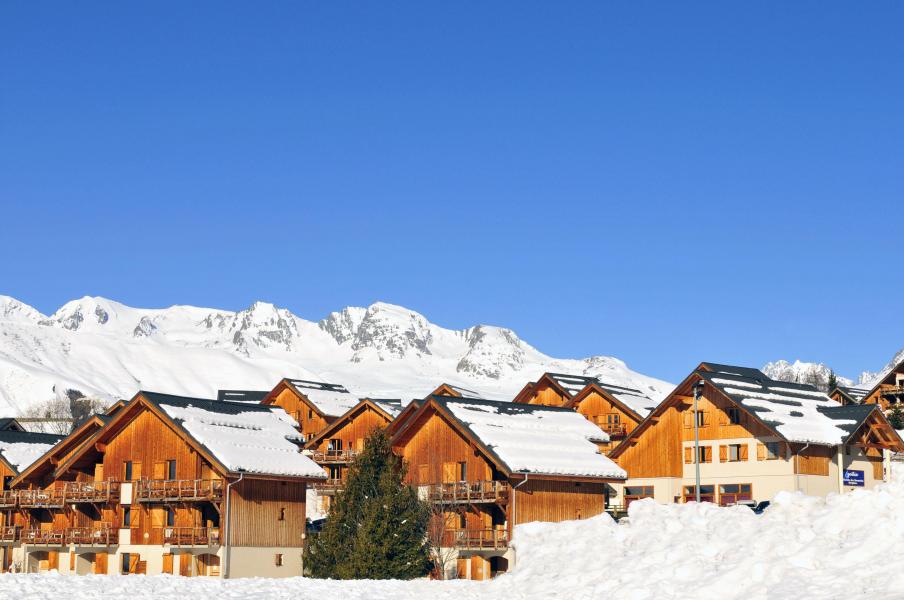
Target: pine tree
<point x="376" y="528"/>
<point x="896" y="417"/>
<point x="833" y="381"/>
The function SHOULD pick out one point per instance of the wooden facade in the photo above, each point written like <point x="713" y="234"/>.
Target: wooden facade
<point x="602" y="408"/>
<point x="890" y="389"/>
<point x="309" y="418"/>
<point x="545" y="391"/>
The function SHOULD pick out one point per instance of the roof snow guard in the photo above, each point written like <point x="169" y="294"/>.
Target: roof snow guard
<point x="531" y="438"/>
<point x="244" y="437"/>
<point x="798" y="412"/>
<point x="331" y="399"/>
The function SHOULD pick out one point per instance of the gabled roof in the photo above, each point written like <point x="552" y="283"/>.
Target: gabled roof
<point x="46" y="463"/>
<point x="795" y="412"/>
<point x="236" y="437"/>
<point x="387" y="408"/>
<point x="854" y="394"/>
<point x="898" y="368"/>
<point x="328" y="399"/>
<point x="570" y="384"/>
<point x="403" y="417"/>
<point x="19" y="449"/>
<point x="242" y="395"/>
<point x="448" y="389"/>
<point x="526" y="438"/>
<point x="10" y="424"/>
<point x="632" y="401"/>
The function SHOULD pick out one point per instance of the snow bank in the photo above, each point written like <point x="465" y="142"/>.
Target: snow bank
<point x="802" y="547"/>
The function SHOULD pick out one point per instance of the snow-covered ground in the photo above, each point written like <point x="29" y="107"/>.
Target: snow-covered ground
<point x="802" y="547"/>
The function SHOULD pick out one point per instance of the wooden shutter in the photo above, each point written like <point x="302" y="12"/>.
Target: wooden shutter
<point x="450" y="472"/>
<point x="878" y="470"/>
<point x="100" y="563"/>
<point x="423" y="472"/>
<point x="723" y="453"/>
<point x="72" y="562"/>
<point x="761" y="452"/>
<point x="185" y="561"/>
<point x="168" y="563"/>
<point x="723" y="418"/>
<point x="707" y="421"/>
<point x="461" y="567"/>
<point x="159" y="470"/>
<point x="53" y="560"/>
<point x="134" y="517"/>
<point x="141" y="568"/>
<point x="99" y="472"/>
<point x="157" y="517"/>
<point x="688" y="456"/>
<point x="133" y="562"/>
<point x="742" y="455"/>
<point x="136" y="471"/>
<point x="688" y="419"/>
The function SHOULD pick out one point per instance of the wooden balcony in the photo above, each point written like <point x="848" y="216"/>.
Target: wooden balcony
<point x="9" y="534"/>
<point x="179" y="490"/>
<point x="90" y="492"/>
<point x="614" y="429"/>
<point x="9" y="498"/>
<point x="469" y="492"/>
<point x="481" y="539"/>
<point x="329" y="486"/>
<point x="92" y="536"/>
<point x="43" y="537"/>
<point x="892" y="390"/>
<point x="334" y="456"/>
<point x="191" y="536"/>
<point x="49" y="498"/>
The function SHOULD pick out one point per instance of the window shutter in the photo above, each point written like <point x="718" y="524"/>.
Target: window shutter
<point x="707" y="421"/>
<point x="723" y="453"/>
<point x="723" y="418"/>
<point x="688" y="419"/>
<point x="761" y="452"/>
<point x="742" y="455"/>
<point x="688" y="455"/>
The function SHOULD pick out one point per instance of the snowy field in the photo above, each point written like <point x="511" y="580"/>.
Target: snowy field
<point x="803" y="548"/>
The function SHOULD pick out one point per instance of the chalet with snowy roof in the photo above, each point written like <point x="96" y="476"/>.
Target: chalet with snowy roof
<point x="313" y="404"/>
<point x="485" y="466"/>
<point x="171" y="484"/>
<point x="848" y="395"/>
<point x="616" y="409"/>
<point x="336" y="446"/>
<point x="889" y="390"/>
<point x="757" y="437"/>
<point x="18" y="450"/>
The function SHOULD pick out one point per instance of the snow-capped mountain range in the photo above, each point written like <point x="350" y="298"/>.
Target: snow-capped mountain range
<point x="818" y="373"/>
<point x="101" y="348"/>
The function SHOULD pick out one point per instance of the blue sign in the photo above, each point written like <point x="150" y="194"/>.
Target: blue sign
<point x="853" y="478"/>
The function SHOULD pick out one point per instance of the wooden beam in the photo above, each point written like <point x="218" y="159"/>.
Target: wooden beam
<point x="100" y="447"/>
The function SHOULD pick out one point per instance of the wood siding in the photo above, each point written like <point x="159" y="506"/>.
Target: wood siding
<point x="310" y="423"/>
<point x="267" y="513"/>
<point x="559" y="500"/>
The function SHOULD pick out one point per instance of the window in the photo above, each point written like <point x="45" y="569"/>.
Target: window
<point x="310" y="416"/>
<point x="335" y="472"/>
<point x="707" y="493"/>
<point x="170" y="517"/>
<point x="171" y="470"/>
<point x="701" y="418"/>
<point x="638" y="492"/>
<point x="773" y="450"/>
<point x="278" y="560"/>
<point x="282" y="513"/>
<point x="706" y="454"/>
<point x="613" y="419"/>
<point x="734" y="415"/>
<point x="126" y="560"/>
<point x="733" y="453"/>
<point x="127" y="471"/>
<point x="462" y="471"/>
<point x="126" y="517"/>
<point x="334" y="446"/>
<point x="732" y="493"/>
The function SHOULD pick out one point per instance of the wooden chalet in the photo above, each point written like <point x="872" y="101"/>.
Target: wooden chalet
<point x="889" y="391"/>
<point x="848" y="395"/>
<point x="313" y="404"/>
<point x="485" y="466"/>
<point x="18" y="450"/>
<point x="553" y="389"/>
<point x="448" y="389"/>
<point x="336" y="446"/>
<point x="757" y="437"/>
<point x="615" y="409"/>
<point x="170" y="484"/>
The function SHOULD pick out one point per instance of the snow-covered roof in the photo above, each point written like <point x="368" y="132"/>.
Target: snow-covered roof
<point x="798" y="412"/>
<point x="857" y="393"/>
<point x="630" y="397"/>
<point x="392" y="406"/>
<point x="244" y="437"/>
<point x="572" y="383"/>
<point x="331" y="399"/>
<point x="22" y="448"/>
<point x="535" y="439"/>
<point x="242" y="395"/>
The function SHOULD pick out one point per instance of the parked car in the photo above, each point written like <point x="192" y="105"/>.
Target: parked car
<point x="756" y="507"/>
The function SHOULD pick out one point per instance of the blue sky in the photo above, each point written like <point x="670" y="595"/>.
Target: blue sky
<point x="662" y="182"/>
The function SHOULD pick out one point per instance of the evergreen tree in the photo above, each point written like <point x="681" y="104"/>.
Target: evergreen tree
<point x="896" y="417"/>
<point x="376" y="528"/>
<point x="833" y="381"/>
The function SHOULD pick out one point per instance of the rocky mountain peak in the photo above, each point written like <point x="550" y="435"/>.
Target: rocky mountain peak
<point x="493" y="352"/>
<point x="13" y="310"/>
<point x="390" y="331"/>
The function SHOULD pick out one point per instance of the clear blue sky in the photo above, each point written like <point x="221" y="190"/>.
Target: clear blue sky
<point x="663" y="182"/>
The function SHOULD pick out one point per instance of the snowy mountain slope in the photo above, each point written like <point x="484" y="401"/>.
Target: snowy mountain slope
<point x="818" y="373"/>
<point x="106" y="349"/>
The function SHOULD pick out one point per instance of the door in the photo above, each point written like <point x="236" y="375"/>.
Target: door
<point x="168" y="563"/>
<point x="100" y="563"/>
<point x="185" y="565"/>
<point x="53" y="560"/>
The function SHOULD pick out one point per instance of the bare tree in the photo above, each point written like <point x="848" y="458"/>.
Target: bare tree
<point x="51" y="416"/>
<point x="440" y="537"/>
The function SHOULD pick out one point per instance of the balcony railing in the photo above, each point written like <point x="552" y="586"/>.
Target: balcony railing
<point x="9" y="498"/>
<point x="43" y="537"/>
<point x="334" y="456"/>
<point x="92" y="536"/>
<point x="481" y="539"/>
<point x="49" y="498"/>
<point x="191" y="536"/>
<point x="176" y="490"/>
<point x="468" y="492"/>
<point x="75" y="492"/>
<point x="329" y="486"/>
<point x="614" y="429"/>
<point x="9" y="534"/>
<point x="894" y="390"/>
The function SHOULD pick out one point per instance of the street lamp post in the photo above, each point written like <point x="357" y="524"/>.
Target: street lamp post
<point x="698" y="390"/>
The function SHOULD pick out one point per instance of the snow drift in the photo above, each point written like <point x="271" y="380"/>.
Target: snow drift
<point x="843" y="546"/>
